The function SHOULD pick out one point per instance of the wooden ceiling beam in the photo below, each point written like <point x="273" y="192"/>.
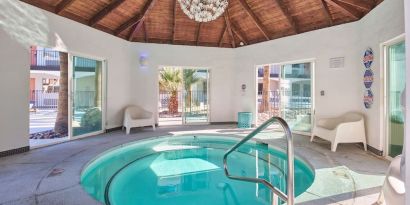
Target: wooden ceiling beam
<point x="180" y="42"/>
<point x="374" y="2"/>
<point x="137" y="18"/>
<point x="239" y="34"/>
<point x="255" y="19"/>
<point x="198" y="32"/>
<point x="131" y="32"/>
<point x="41" y="5"/>
<point x="221" y="39"/>
<point x="377" y="2"/>
<point x="135" y="28"/>
<point x="286" y="13"/>
<point x="348" y="11"/>
<point x="231" y="32"/>
<point x="174" y="17"/>
<point x="104" y="12"/>
<point x="105" y="29"/>
<point x="145" y="32"/>
<point x="359" y="4"/>
<point x="62" y="5"/>
<point x="326" y="11"/>
<point x="228" y="24"/>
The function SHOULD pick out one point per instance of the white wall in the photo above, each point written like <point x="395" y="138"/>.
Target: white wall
<point x="383" y="24"/>
<point x="14" y="121"/>
<point x="344" y="87"/>
<point x="128" y="83"/>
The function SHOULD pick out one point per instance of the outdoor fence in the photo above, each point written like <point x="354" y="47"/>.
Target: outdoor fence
<point x="284" y="104"/>
<point x="40" y="99"/>
<point x="189" y="102"/>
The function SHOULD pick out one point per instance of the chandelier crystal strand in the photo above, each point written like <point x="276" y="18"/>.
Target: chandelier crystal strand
<point x="203" y="10"/>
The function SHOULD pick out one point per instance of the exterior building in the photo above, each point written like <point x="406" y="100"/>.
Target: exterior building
<point x="44" y="77"/>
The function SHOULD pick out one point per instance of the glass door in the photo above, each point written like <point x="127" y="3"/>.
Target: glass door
<point x="195" y="89"/>
<point x="396" y="72"/>
<point x="268" y="98"/>
<point x="296" y="98"/>
<point x="86" y="99"/>
<point x="285" y="90"/>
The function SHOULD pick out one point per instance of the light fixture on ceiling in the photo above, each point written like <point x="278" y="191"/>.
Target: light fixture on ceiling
<point x="203" y="10"/>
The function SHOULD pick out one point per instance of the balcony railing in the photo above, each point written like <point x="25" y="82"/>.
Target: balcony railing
<point x="44" y="60"/>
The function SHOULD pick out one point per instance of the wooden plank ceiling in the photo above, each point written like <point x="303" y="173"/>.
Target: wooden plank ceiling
<point x="245" y="22"/>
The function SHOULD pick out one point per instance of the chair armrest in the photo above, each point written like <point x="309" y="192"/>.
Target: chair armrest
<point x="351" y="132"/>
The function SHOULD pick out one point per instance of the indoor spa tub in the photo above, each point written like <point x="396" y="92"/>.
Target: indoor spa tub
<point x="188" y="170"/>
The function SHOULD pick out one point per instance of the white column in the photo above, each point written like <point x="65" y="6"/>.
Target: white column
<point x="407" y="129"/>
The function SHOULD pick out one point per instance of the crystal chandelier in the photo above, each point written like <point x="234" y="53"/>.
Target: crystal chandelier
<point x="203" y="10"/>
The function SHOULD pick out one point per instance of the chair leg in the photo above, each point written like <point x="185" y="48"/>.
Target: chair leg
<point x="380" y="199"/>
<point x="365" y="146"/>
<point x="334" y="146"/>
<point x="312" y="137"/>
<point x="128" y="130"/>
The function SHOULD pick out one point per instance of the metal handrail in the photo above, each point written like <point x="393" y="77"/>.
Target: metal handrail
<point x="289" y="197"/>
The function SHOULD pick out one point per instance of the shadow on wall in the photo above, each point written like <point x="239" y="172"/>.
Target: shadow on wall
<point x="23" y="23"/>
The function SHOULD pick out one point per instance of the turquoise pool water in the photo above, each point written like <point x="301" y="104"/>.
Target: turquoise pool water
<point x="188" y="170"/>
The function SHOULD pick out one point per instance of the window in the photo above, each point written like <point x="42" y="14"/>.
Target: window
<point x="290" y="94"/>
<point x="50" y="85"/>
<point x="306" y="90"/>
<point x="260" y="87"/>
<point x="274" y="71"/>
<point x="260" y="72"/>
<point x="295" y="89"/>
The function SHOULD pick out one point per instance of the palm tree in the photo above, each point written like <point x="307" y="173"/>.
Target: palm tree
<point x="190" y="77"/>
<point x="265" y="89"/>
<point x="170" y="80"/>
<point x="61" y="124"/>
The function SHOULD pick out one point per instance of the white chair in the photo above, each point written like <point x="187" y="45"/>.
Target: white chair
<point x="135" y="116"/>
<point x="348" y="128"/>
<point x="393" y="190"/>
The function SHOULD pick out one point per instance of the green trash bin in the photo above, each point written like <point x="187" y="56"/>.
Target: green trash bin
<point x="244" y="119"/>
